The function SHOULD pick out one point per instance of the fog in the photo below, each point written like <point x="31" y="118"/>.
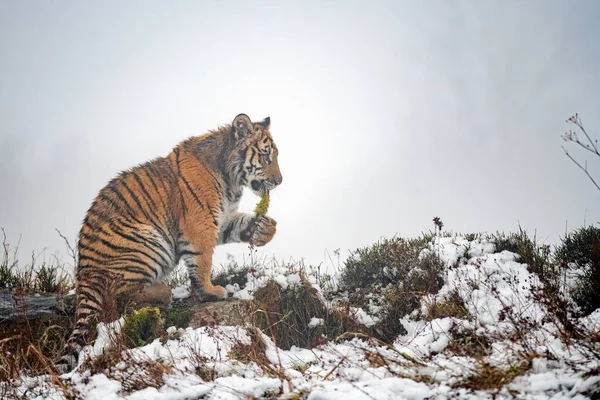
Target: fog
<point x="386" y="114"/>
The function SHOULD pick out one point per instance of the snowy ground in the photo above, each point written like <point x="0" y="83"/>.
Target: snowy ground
<point x="495" y="288"/>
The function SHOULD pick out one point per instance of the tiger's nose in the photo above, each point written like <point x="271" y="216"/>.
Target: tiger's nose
<point x="277" y="180"/>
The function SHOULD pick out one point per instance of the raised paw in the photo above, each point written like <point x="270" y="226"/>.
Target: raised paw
<point x="264" y="230"/>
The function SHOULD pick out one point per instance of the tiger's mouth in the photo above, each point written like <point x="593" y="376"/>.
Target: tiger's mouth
<point x="258" y="186"/>
<point x="262" y="186"/>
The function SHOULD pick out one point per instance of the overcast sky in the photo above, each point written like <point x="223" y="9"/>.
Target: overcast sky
<point x="386" y="114"/>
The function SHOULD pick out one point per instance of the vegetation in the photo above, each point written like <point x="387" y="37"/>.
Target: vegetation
<point x="394" y="280"/>
<point x="286" y="315"/>
<point x="392" y="274"/>
<point x="584" y="143"/>
<point x="142" y="327"/>
<point x="580" y="252"/>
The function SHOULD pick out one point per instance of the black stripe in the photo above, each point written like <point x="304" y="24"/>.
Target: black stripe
<point x="121" y="249"/>
<point x="135" y="199"/>
<point x="202" y="206"/>
<point x="227" y="232"/>
<point x="147" y="198"/>
<point x="135" y="237"/>
<point x="127" y="209"/>
<point x="141" y="271"/>
<point x="156" y="218"/>
<point x="189" y="253"/>
<point x="216" y="182"/>
<point x="85" y="314"/>
<point x="111" y="257"/>
<point x="152" y="171"/>
<point x="192" y="192"/>
<point x="87" y="257"/>
<point x="87" y="306"/>
<point x="101" y="217"/>
<point x="90" y="297"/>
<point x="126" y="206"/>
<point x="148" y="243"/>
<point x="143" y="280"/>
<point x="176" y="151"/>
<point x="212" y="214"/>
<point x="83" y="246"/>
<point x="136" y="262"/>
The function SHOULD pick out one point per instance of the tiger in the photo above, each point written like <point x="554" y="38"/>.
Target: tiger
<point x="171" y="209"/>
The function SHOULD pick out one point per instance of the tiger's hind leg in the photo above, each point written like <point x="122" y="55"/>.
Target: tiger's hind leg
<point x="156" y="295"/>
<point x="127" y="261"/>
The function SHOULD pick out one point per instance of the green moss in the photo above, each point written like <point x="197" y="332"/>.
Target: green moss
<point x="178" y="317"/>
<point x="142" y="327"/>
<point x="263" y="205"/>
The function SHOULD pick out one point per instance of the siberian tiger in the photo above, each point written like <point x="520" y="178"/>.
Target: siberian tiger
<point x="172" y="208"/>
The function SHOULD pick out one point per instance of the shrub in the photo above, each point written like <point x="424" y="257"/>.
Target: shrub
<point x="178" y="316"/>
<point x="231" y="274"/>
<point x="394" y="273"/>
<point x="453" y="307"/>
<point x="536" y="256"/>
<point x="382" y="263"/>
<point x="142" y="327"/>
<point x="286" y="314"/>
<point x="581" y="250"/>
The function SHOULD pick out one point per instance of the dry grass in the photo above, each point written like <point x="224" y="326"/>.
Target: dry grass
<point x="446" y="309"/>
<point x="490" y="377"/>
<point x="465" y="342"/>
<point x="285" y="316"/>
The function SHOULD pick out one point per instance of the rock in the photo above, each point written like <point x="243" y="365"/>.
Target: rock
<point x="227" y="312"/>
<point x="14" y="305"/>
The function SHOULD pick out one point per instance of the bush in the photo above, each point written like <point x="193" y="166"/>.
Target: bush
<point x="383" y="263"/>
<point x="142" y="327"/>
<point x="537" y="257"/>
<point x="285" y="315"/>
<point x="581" y="250"/>
<point x="231" y="274"/>
<point x="394" y="273"/>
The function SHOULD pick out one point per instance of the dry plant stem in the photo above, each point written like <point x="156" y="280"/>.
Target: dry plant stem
<point x="282" y="373"/>
<point x="592" y="147"/>
<point x="584" y="169"/>
<point x="334" y="368"/>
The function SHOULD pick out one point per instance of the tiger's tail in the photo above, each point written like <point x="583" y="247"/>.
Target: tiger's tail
<point x="88" y="304"/>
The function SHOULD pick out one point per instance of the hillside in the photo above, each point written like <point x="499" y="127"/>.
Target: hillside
<point x="482" y="324"/>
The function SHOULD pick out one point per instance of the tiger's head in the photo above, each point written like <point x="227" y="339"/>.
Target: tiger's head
<point x="257" y="154"/>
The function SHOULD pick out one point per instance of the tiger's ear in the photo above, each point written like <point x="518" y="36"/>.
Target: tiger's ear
<point x="265" y="123"/>
<point x="242" y="127"/>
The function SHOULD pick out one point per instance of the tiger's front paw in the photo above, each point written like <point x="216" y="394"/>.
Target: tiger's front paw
<point x="210" y="293"/>
<point x="264" y="230"/>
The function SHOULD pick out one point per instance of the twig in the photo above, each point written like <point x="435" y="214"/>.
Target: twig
<point x="71" y="249"/>
<point x="584" y="169"/>
<point x="592" y="147"/>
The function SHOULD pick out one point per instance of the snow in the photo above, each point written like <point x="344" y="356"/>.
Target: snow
<point x="180" y="292"/>
<point x="496" y="289"/>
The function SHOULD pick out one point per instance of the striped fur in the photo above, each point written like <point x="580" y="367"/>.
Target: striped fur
<point x="169" y="209"/>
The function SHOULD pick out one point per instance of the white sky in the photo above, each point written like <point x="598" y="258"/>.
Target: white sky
<point x="386" y="113"/>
